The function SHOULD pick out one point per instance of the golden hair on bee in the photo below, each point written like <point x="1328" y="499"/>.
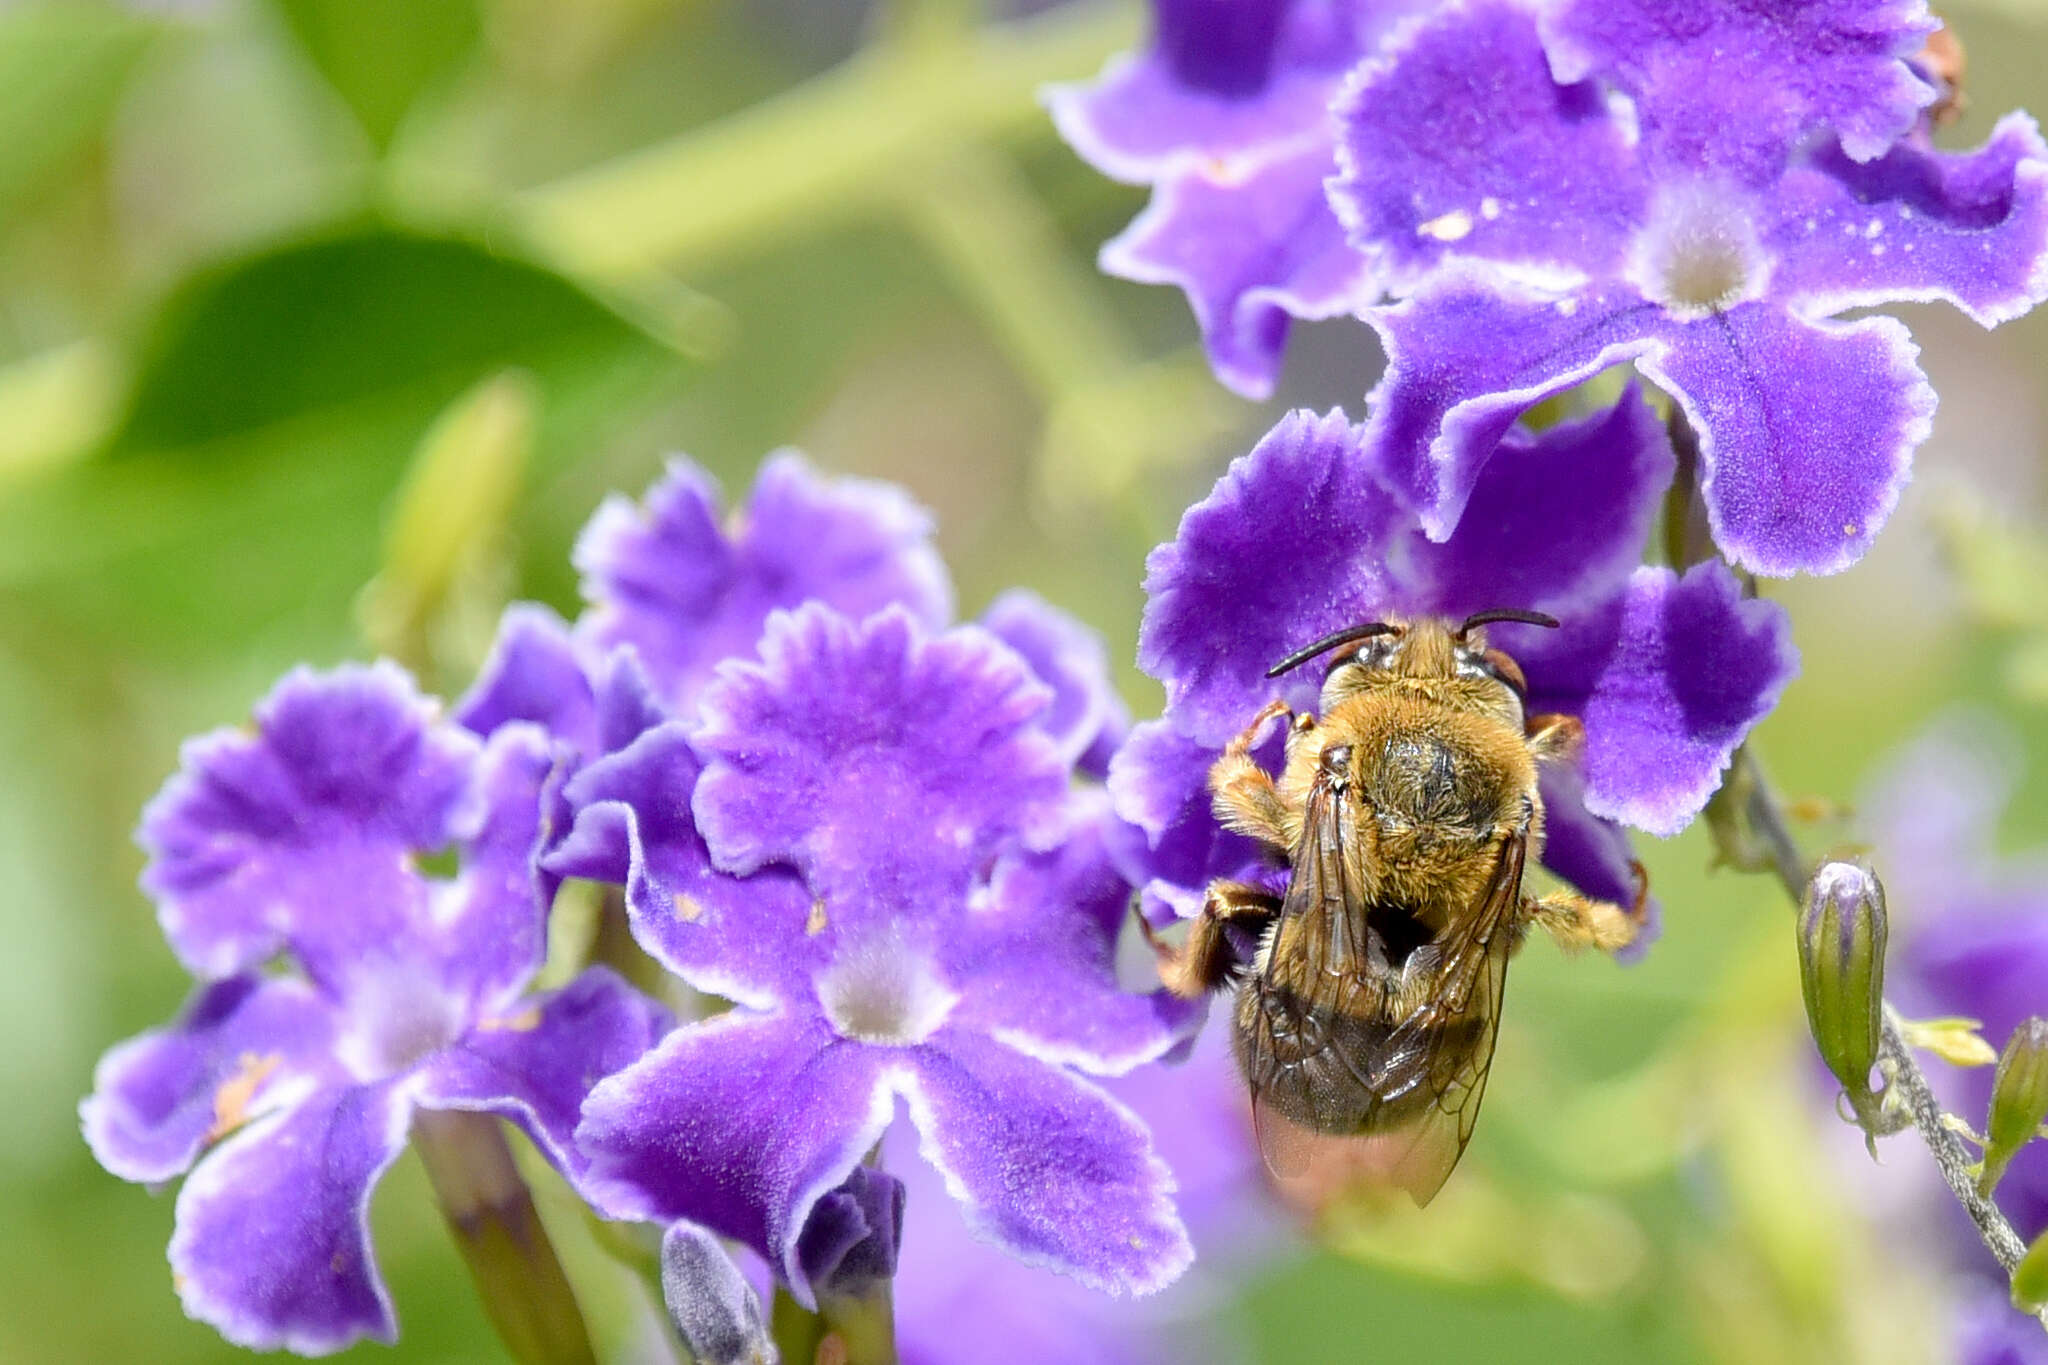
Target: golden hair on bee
<point x="1406" y="813"/>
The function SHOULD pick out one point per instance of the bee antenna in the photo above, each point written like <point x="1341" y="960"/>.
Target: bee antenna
<point x="1527" y="618"/>
<point x="1330" y="642"/>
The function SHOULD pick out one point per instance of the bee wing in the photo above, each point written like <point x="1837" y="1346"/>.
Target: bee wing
<point x="1324" y="914"/>
<point x="1453" y="1032"/>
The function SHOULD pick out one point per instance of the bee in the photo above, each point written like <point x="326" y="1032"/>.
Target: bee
<point x="1369" y="994"/>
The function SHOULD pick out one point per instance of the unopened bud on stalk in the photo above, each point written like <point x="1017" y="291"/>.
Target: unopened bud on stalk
<point x="2030" y="1278"/>
<point x="2019" y="1099"/>
<point x="714" y="1309"/>
<point x="1841" y="970"/>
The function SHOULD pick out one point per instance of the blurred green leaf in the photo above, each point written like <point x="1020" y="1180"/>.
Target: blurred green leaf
<point x="273" y="415"/>
<point x="380" y="54"/>
<point x="63" y="68"/>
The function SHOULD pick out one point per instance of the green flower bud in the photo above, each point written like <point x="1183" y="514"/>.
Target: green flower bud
<point x="2019" y="1099"/>
<point x="2030" y="1278"/>
<point x="1841" y="971"/>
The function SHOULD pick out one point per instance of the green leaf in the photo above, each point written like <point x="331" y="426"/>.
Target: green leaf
<point x="272" y="417"/>
<point x="63" y="68"/>
<point x="379" y="55"/>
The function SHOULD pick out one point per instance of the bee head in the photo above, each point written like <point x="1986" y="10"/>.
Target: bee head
<point x="1428" y="648"/>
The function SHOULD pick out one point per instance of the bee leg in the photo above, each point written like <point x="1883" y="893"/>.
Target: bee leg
<point x="1246" y="797"/>
<point x="1577" y="921"/>
<point x="1554" y="735"/>
<point x="1206" y="960"/>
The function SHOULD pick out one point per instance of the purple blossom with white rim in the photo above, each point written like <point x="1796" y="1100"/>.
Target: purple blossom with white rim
<point x="688" y="589"/>
<point x="1976" y="922"/>
<point x="1552" y="210"/>
<point x="1201" y="1125"/>
<point x="293" y="1093"/>
<point x="1226" y="116"/>
<point x="1086" y="717"/>
<point x="1299" y="539"/>
<point x="873" y="847"/>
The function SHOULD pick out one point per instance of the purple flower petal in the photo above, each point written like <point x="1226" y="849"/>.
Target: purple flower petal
<point x="1736" y="86"/>
<point x="1218" y="615"/>
<point x="748" y="939"/>
<point x="850" y="1240"/>
<point x="1455" y="140"/>
<point x="1159" y="782"/>
<point x="1223" y="78"/>
<point x="1806" y="431"/>
<point x="1668" y="679"/>
<point x="1056" y="917"/>
<point x="243" y="1048"/>
<point x="1555" y="521"/>
<point x="533" y="674"/>
<point x="741" y="1123"/>
<point x="272" y="1246"/>
<point x="1087" y="718"/>
<point x="884" y="764"/>
<point x="666" y="579"/>
<point x="1047" y="1166"/>
<point x="1252" y="248"/>
<point x="299" y="836"/>
<point x="536" y="1065"/>
<point x="1970" y="228"/>
<point x="1464" y="360"/>
<point x="489" y="927"/>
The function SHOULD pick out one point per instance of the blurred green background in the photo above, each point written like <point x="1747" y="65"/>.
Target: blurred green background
<point x="257" y="256"/>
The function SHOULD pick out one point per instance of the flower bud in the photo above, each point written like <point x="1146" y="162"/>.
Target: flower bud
<point x="2019" y="1099"/>
<point x="2030" y="1278"/>
<point x="714" y="1309"/>
<point x="848" y="1244"/>
<point x="1841" y="971"/>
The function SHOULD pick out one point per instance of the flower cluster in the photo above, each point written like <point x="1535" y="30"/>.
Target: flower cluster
<point x="1516" y="196"/>
<point x="880" y="836"/>
<point x="1668" y="671"/>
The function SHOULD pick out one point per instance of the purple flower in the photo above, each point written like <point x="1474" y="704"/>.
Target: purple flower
<point x="1978" y="923"/>
<point x="871" y="845"/>
<point x="1226" y="116"/>
<point x="686" y="592"/>
<point x="293" y="1091"/>
<point x="1702" y="191"/>
<point x="948" y="1276"/>
<point x="1299" y="539"/>
<point x="1989" y="1332"/>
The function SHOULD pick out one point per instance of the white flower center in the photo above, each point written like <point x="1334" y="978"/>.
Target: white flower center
<point x="885" y="992"/>
<point x="1699" y="253"/>
<point x="397" y="1016"/>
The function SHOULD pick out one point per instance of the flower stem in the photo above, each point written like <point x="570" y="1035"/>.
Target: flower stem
<point x="1770" y="835"/>
<point x="490" y="1212"/>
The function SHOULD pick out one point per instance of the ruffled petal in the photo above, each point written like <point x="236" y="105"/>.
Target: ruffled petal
<point x="536" y="1066"/>
<point x="1970" y="228"/>
<point x="1251" y="247"/>
<point x="740" y="1123"/>
<point x="243" y="1048"/>
<point x="300" y="836"/>
<point x="1465" y="359"/>
<point x="272" y="1246"/>
<point x="885" y="764"/>
<point x="533" y="674"/>
<point x="749" y="939"/>
<point x="1555" y="521"/>
<point x="1223" y="79"/>
<point x="1835" y="64"/>
<point x="667" y="580"/>
<point x="1806" y="431"/>
<point x="1087" y="718"/>
<point x="1218" y="614"/>
<point x="1159" y="783"/>
<point x="1056" y="917"/>
<point x="1047" y="1166"/>
<point x="1455" y="141"/>
<point x="489" y="927"/>
<point x="1668" y="678"/>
